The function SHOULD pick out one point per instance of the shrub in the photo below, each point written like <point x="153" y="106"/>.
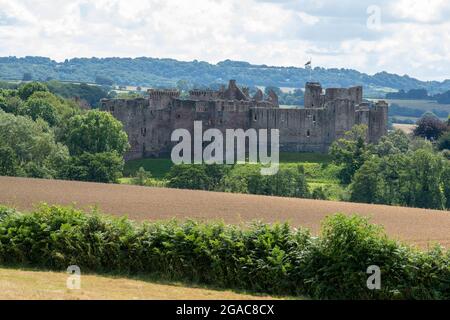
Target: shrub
<point x="319" y="194"/>
<point x="265" y="258"/>
<point x="104" y="167"/>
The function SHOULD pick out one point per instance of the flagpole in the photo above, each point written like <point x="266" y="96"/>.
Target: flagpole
<point x="310" y="70"/>
<point x="308" y="65"/>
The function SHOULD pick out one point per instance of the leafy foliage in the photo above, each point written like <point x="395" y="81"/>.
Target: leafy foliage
<point x="30" y="148"/>
<point x="95" y="132"/>
<point x="288" y="182"/>
<point x="141" y="177"/>
<point x="350" y="152"/>
<point x="430" y="127"/>
<point x="169" y="72"/>
<point x="262" y="258"/>
<point x="26" y="90"/>
<point x="96" y="167"/>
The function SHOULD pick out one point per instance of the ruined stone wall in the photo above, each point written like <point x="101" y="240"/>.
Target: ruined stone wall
<point x="313" y="95"/>
<point x="353" y="94"/>
<point x="150" y="122"/>
<point x="301" y="130"/>
<point x="378" y="121"/>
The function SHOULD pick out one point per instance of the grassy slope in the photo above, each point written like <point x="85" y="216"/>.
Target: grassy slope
<point x="39" y="285"/>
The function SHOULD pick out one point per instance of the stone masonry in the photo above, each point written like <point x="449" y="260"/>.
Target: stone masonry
<point x="326" y="116"/>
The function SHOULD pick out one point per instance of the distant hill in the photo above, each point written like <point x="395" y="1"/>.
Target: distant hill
<point x="167" y="72"/>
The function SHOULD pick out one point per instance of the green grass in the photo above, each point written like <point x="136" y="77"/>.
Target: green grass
<point x="319" y="171"/>
<point x="304" y="157"/>
<point x="158" y="167"/>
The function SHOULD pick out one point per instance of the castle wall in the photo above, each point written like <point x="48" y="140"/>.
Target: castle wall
<point x="378" y="121"/>
<point x="301" y="130"/>
<point x="353" y="94"/>
<point x="150" y="122"/>
<point x="313" y="95"/>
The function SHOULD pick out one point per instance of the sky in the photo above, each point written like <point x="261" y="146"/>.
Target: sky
<point x="403" y="36"/>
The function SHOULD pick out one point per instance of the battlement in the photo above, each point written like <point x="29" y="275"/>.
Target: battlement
<point x="158" y="93"/>
<point x="353" y="94"/>
<point x="204" y="94"/>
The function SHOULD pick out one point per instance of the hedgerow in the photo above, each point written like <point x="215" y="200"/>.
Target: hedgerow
<point x="275" y="259"/>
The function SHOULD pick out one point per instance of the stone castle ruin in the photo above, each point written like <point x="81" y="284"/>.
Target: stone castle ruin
<point x="326" y="116"/>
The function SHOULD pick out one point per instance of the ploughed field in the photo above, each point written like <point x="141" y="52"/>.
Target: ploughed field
<point x="415" y="226"/>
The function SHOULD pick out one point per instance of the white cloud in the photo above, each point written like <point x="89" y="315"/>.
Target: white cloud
<point x="414" y="37"/>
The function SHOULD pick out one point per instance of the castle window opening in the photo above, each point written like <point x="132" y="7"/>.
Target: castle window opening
<point x="308" y="133"/>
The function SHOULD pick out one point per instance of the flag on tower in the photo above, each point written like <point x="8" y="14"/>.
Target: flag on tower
<point x="308" y="66"/>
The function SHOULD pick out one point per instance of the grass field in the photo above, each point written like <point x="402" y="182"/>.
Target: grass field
<point x="319" y="170"/>
<point x="17" y="284"/>
<point x="406" y="128"/>
<point x="416" y="226"/>
<point x="425" y="105"/>
<point x="159" y="167"/>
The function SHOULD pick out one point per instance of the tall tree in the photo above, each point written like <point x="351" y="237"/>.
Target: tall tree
<point x="350" y="152"/>
<point x="367" y="183"/>
<point x="430" y="127"/>
<point x="95" y="132"/>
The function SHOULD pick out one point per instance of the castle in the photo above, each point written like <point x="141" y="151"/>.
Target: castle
<point x="326" y="116"/>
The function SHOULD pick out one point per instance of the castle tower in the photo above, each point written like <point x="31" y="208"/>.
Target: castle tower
<point x="313" y="92"/>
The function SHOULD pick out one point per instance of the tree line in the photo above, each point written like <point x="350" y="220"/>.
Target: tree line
<point x="45" y="136"/>
<point x="399" y="170"/>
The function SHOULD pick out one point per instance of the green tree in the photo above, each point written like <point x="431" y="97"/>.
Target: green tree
<point x="11" y="104"/>
<point x="319" y="194"/>
<point x="33" y="144"/>
<point x="350" y="152"/>
<point x="393" y="143"/>
<point x="392" y="169"/>
<point x="189" y="176"/>
<point x="367" y="183"/>
<point x="8" y="161"/>
<point x="444" y="141"/>
<point x="104" y="167"/>
<point x="446" y="183"/>
<point x="421" y="180"/>
<point x="141" y="177"/>
<point x="26" y="90"/>
<point x="41" y="108"/>
<point x="95" y="132"/>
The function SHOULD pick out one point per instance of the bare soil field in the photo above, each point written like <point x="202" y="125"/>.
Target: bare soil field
<point x="44" y="285"/>
<point x="406" y="128"/>
<point x="416" y="226"/>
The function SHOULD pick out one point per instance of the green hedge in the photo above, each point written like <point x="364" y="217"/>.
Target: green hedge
<point x="275" y="259"/>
